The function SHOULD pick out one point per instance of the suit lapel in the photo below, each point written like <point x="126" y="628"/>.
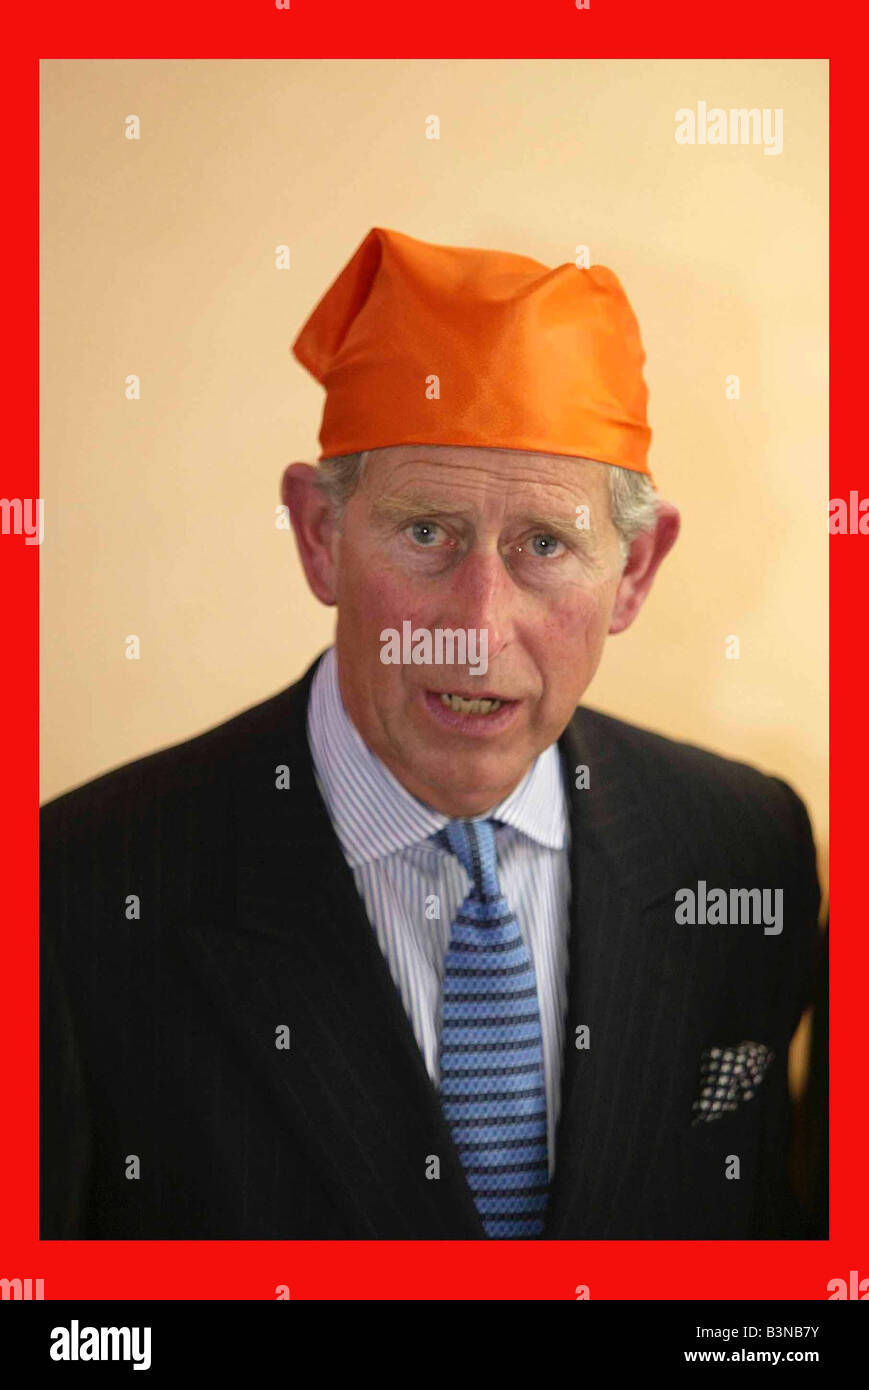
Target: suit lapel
<point x="621" y="970"/>
<point x="299" y="951"/>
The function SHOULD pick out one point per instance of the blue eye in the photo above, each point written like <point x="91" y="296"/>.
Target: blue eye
<point x="424" y="532"/>
<point x="551" y="543"/>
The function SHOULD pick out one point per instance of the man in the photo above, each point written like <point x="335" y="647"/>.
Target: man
<point x="416" y="948"/>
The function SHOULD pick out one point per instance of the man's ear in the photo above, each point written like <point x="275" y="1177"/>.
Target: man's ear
<point x="645" y="555"/>
<point x="313" y="523"/>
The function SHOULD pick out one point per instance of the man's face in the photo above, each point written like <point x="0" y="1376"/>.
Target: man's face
<point x="482" y="539"/>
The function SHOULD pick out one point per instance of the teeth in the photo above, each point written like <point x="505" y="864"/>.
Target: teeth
<point x="460" y="706"/>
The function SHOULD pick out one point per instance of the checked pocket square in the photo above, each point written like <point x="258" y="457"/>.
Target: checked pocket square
<point x="728" y="1077"/>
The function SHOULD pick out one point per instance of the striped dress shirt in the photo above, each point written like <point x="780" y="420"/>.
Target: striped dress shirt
<point x="403" y="878"/>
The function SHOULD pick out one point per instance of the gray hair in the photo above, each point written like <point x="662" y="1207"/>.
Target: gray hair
<point x="633" y="504"/>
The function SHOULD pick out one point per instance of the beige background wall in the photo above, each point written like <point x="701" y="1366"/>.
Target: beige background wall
<point x="158" y="259"/>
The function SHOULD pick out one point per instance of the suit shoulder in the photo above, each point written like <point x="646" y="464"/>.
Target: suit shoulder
<point x="665" y="764"/>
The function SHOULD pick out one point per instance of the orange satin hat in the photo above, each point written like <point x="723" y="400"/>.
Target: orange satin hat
<point x="424" y="344"/>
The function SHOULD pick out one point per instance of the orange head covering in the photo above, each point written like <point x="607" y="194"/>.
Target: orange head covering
<point x="423" y="344"/>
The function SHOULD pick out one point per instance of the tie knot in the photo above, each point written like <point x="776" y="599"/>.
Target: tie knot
<point x="473" y="843"/>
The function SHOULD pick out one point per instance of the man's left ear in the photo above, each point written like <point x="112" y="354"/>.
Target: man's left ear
<point x="646" y="553"/>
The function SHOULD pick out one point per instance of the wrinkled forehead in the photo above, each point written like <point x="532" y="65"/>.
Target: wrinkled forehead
<point x="502" y="473"/>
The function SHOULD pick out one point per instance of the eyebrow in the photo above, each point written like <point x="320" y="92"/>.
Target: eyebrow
<point x="396" y="506"/>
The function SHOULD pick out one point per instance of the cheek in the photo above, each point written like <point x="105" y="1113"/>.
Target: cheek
<point x="570" y="634"/>
<point x="372" y="595"/>
<point x="381" y="593"/>
<point x="579" y="618"/>
<point x="372" y="599"/>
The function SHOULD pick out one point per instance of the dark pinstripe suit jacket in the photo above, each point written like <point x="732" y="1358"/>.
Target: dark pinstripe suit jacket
<point x="158" y="1034"/>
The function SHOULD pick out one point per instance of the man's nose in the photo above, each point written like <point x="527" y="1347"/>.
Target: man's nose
<point x="481" y="596"/>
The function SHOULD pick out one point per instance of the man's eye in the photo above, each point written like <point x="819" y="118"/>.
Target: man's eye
<point x="424" y="532"/>
<point x="544" y="545"/>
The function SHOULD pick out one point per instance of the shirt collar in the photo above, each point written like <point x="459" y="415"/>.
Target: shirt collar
<point x="374" y="815"/>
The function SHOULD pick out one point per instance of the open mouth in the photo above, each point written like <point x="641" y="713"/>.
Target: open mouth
<point x="481" y="705"/>
<point x="484" y="716"/>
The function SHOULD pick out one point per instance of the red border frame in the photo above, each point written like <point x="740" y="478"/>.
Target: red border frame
<point x="424" y="1270"/>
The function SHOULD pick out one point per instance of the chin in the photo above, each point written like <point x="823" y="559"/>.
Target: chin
<point x="479" y="778"/>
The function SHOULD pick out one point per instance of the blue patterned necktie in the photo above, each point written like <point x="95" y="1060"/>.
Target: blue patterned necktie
<point x="491" y="1053"/>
